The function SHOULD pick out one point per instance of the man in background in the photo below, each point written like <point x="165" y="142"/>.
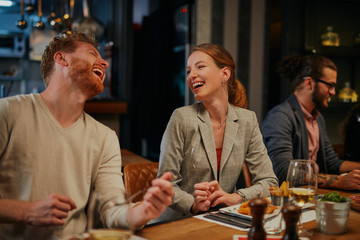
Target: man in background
<point x="295" y="129"/>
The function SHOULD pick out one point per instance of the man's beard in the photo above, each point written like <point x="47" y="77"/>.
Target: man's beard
<point x="318" y="99"/>
<point x="83" y="77"/>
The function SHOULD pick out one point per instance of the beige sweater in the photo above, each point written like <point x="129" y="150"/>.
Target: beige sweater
<point x="39" y="157"/>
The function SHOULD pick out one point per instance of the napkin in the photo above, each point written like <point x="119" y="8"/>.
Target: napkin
<point x="245" y="237"/>
<point x="307" y="216"/>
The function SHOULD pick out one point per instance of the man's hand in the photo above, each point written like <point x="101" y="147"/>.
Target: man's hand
<point x="351" y="180"/>
<point x="156" y="199"/>
<point x="347" y="181"/>
<point x="50" y="211"/>
<point x="355" y="203"/>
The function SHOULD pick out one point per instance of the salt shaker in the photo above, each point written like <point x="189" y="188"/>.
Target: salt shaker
<point x="291" y="216"/>
<point x="258" y="207"/>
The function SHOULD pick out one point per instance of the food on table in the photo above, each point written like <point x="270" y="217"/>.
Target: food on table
<point x="276" y="195"/>
<point x="333" y="197"/>
<point x="355" y="202"/>
<point x="245" y="208"/>
<point x="285" y="186"/>
<point x="273" y="191"/>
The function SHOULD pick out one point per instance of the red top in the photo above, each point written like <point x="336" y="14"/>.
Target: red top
<point x="218" y="156"/>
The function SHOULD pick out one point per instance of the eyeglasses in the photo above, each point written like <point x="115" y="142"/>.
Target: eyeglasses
<point x="330" y="85"/>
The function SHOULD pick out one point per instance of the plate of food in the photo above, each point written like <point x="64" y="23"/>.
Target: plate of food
<point x="243" y="210"/>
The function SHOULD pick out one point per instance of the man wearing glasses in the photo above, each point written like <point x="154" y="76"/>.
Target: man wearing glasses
<point x="295" y="129"/>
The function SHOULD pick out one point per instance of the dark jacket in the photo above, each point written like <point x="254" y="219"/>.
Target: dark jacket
<point x="285" y="136"/>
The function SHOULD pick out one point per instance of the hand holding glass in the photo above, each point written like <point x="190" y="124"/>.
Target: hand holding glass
<point x="95" y="227"/>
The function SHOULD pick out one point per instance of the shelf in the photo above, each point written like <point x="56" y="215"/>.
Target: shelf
<point x="339" y="51"/>
<point x="339" y="106"/>
<point x="11" y="54"/>
<point x="9" y="78"/>
<point x="105" y="107"/>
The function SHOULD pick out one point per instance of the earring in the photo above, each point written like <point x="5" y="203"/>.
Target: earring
<point x="223" y="81"/>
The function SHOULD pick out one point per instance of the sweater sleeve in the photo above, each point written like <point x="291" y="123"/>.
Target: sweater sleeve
<point x="109" y="185"/>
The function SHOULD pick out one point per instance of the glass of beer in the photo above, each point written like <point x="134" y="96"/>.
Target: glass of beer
<point x="98" y="203"/>
<point x="302" y="179"/>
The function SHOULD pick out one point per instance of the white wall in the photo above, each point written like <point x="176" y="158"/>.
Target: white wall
<point x="257" y="48"/>
<point x="231" y="20"/>
<point x="141" y="9"/>
<point x="231" y="28"/>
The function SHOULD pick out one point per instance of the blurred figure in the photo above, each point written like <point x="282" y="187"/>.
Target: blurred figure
<point x="351" y="130"/>
<point x="296" y="129"/>
<point x="53" y="155"/>
<point x="206" y="144"/>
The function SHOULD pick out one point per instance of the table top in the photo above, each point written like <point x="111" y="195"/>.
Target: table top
<point x="105" y="107"/>
<point x="129" y="157"/>
<point x="193" y="228"/>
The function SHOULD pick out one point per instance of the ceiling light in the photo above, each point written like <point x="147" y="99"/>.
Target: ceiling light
<point x="6" y="3"/>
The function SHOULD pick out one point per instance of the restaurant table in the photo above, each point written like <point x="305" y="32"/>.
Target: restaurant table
<point x="129" y="157"/>
<point x="193" y="228"/>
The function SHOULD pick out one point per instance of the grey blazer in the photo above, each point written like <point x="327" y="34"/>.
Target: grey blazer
<point x="188" y="151"/>
<point x="286" y="138"/>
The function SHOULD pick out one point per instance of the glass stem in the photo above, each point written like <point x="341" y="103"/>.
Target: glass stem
<point x="300" y="226"/>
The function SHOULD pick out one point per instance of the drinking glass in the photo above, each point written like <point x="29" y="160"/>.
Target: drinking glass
<point x="302" y="179"/>
<point x="272" y="224"/>
<point x="96" y="229"/>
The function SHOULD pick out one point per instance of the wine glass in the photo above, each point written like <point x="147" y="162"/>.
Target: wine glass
<point x="302" y="180"/>
<point x="96" y="229"/>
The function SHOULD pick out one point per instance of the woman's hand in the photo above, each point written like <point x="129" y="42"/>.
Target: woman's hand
<point x="201" y="195"/>
<point x="219" y="196"/>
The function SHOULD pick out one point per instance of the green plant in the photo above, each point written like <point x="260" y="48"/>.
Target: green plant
<point x="333" y="197"/>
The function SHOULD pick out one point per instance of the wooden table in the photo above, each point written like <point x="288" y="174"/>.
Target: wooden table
<point x="105" y="107"/>
<point x="130" y="157"/>
<point x="193" y="228"/>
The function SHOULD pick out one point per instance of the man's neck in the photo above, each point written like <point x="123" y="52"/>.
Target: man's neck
<point x="305" y="101"/>
<point x="65" y="106"/>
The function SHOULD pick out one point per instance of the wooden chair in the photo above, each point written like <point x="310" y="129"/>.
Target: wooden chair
<point x="138" y="177"/>
<point x="129" y="157"/>
<point x="241" y="101"/>
<point x="339" y="150"/>
<point x="247" y="176"/>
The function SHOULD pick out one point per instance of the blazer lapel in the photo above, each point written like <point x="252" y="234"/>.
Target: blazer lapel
<point x="208" y="138"/>
<point x="231" y="131"/>
<point x="301" y="120"/>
